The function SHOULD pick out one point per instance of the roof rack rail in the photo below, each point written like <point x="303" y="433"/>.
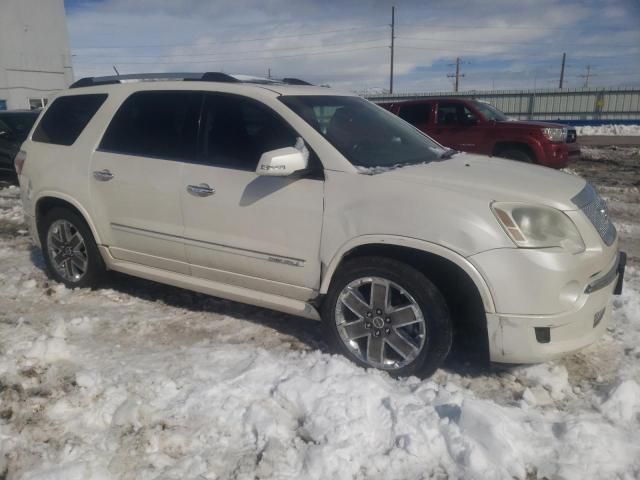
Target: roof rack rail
<point x="295" y="81"/>
<point x="188" y="76"/>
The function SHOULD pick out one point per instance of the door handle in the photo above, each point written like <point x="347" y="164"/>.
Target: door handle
<point x="103" y="175"/>
<point x="202" y="190"/>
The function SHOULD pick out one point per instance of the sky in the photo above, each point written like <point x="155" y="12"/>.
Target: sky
<point x="502" y="44"/>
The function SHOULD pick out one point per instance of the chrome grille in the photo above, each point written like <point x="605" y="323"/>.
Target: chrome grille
<point x="595" y="208"/>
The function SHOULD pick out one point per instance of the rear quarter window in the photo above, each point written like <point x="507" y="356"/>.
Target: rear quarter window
<point x="67" y="117"/>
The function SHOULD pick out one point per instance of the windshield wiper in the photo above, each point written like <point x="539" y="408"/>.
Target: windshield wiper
<point x="448" y="154"/>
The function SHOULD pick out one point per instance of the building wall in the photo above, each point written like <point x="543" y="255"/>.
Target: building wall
<point x="35" y="61"/>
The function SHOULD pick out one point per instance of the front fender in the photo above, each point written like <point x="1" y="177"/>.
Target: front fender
<point x="416" y="244"/>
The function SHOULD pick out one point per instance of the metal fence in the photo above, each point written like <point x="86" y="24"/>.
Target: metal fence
<point x="580" y="104"/>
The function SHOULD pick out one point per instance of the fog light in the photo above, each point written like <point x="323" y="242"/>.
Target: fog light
<point x="597" y="318"/>
<point x="543" y="334"/>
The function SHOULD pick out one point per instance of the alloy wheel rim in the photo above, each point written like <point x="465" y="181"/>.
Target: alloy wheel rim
<point x="67" y="250"/>
<point x="380" y="323"/>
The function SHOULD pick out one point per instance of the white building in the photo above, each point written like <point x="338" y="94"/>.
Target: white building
<point x="35" y="61"/>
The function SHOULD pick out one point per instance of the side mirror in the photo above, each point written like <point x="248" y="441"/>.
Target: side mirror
<point x="282" y="162"/>
<point x="470" y="121"/>
<point x="6" y="135"/>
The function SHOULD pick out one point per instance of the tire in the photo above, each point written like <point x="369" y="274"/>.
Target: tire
<point x="517" y="154"/>
<point x="65" y="233"/>
<point x="426" y="336"/>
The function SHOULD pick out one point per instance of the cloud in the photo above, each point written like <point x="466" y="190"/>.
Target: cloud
<point x="346" y="44"/>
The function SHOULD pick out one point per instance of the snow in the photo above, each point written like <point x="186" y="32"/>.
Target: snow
<point x="608" y="130"/>
<point x="142" y="381"/>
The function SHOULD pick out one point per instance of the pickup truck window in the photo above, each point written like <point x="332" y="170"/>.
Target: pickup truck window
<point x="490" y="112"/>
<point x="415" y="113"/>
<point x="453" y="114"/>
<point x="367" y="135"/>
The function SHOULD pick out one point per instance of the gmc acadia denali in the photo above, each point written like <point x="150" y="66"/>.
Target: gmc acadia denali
<point x="323" y="205"/>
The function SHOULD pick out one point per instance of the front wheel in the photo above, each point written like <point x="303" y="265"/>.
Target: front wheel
<point x="382" y="313"/>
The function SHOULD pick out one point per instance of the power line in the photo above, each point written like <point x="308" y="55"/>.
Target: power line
<point x="235" y="59"/>
<point x="253" y="50"/>
<point x="507" y="42"/>
<point x="275" y="37"/>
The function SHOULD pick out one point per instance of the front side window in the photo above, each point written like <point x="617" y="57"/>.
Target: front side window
<point x="66" y="118"/>
<point x="161" y="124"/>
<point x="236" y="131"/>
<point x="365" y="134"/>
<point x="416" y="114"/>
<point x="490" y="112"/>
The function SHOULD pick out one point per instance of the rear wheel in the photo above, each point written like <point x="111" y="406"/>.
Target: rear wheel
<point x="518" y="154"/>
<point x="69" y="250"/>
<point x="382" y="313"/>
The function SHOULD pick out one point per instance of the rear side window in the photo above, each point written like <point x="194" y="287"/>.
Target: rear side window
<point x="416" y="113"/>
<point x="66" y="118"/>
<point x="160" y="124"/>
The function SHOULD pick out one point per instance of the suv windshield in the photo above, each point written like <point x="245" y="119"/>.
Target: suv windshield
<point x="367" y="135"/>
<point x="490" y="112"/>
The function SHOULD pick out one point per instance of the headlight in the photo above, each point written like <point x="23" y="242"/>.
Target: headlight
<point x="536" y="226"/>
<point x="555" y="134"/>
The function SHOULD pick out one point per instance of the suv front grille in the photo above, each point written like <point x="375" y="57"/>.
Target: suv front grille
<point x="595" y="208"/>
<point x="571" y="135"/>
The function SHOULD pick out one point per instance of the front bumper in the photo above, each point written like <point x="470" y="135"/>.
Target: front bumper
<point x="559" y="155"/>
<point x="516" y="338"/>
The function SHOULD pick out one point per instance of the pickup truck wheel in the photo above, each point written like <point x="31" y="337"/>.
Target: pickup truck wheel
<point x="382" y="313"/>
<point x="69" y="250"/>
<point x="517" y="154"/>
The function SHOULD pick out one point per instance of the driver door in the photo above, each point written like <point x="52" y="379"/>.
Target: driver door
<point x="242" y="229"/>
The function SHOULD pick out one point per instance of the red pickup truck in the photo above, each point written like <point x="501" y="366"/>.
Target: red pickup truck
<point x="475" y="126"/>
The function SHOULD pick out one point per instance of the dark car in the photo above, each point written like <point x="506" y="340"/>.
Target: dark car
<point x="15" y="126"/>
<point x="477" y="127"/>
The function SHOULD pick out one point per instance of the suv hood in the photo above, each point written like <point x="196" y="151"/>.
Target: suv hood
<point x="496" y="179"/>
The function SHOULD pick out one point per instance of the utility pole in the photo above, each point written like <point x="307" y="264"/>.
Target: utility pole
<point x="564" y="57"/>
<point x="586" y="76"/>
<point x="456" y="75"/>
<point x="269" y="72"/>
<point x="393" y="36"/>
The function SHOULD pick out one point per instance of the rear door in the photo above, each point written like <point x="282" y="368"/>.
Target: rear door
<point x="135" y="177"/>
<point x="243" y="229"/>
<point x="417" y="114"/>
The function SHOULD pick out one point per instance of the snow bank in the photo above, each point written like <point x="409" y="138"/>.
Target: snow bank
<point x="143" y="381"/>
<point x="608" y="130"/>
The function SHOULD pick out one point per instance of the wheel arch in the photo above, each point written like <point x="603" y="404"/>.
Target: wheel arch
<point x="394" y="246"/>
<point x="531" y="148"/>
<point x="49" y="200"/>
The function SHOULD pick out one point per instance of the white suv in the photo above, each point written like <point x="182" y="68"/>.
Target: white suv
<point x="322" y="205"/>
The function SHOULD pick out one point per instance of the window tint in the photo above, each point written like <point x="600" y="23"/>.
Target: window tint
<point x="367" y="135"/>
<point x="19" y="124"/>
<point x="416" y="113"/>
<point x="66" y="118"/>
<point x="236" y="131"/>
<point x="155" y="124"/>
<point x="454" y="114"/>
